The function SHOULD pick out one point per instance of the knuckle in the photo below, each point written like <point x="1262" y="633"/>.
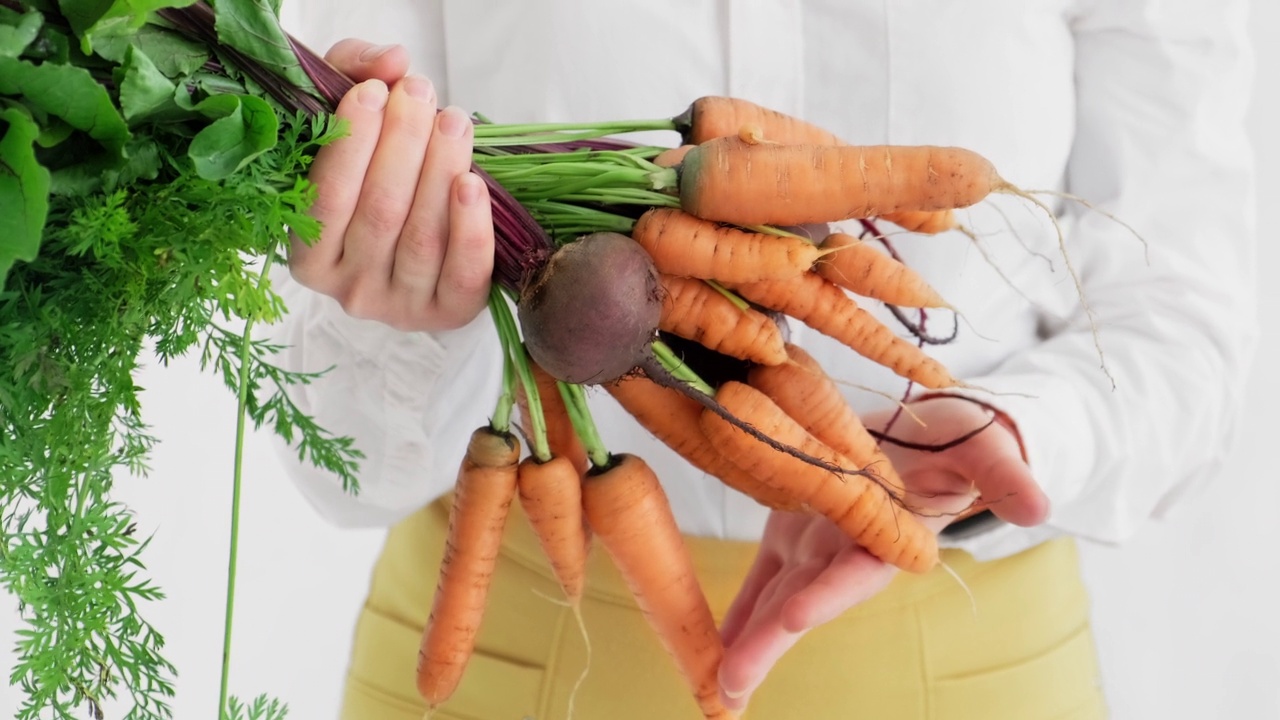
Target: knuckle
<point x="467" y="282"/>
<point x="382" y="215"/>
<point x="420" y="244"/>
<point x="362" y="300"/>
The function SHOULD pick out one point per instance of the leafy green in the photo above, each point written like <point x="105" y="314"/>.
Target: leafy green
<point x="144" y="187"/>
<point x="244" y="129"/>
<point x="18" y="31"/>
<point x="262" y="708"/>
<point x="174" y="55"/>
<point x="24" y="191"/>
<point x="70" y="93"/>
<point x="252" y="27"/>
<point x="144" y="90"/>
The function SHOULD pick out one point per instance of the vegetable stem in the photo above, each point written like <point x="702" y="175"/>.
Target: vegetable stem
<point x="512" y="134"/>
<point x="519" y="358"/>
<point x="242" y="404"/>
<point x="502" y="413"/>
<point x="575" y="402"/>
<point x="678" y="369"/>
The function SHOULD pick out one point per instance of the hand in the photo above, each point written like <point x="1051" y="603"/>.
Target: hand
<point x="808" y="571"/>
<point x="407" y="230"/>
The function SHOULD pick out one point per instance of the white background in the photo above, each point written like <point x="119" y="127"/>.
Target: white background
<point x="1187" y="616"/>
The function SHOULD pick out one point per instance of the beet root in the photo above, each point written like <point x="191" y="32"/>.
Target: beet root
<point x="589" y="314"/>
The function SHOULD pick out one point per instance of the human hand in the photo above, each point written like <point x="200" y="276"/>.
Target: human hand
<point x="807" y="571"/>
<point x="407" y="234"/>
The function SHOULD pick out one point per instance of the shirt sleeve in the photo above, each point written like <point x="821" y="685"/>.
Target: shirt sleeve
<point x="409" y="401"/>
<point x="1160" y="144"/>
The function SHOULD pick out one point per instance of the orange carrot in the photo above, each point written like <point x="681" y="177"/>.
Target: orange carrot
<point x="551" y="496"/>
<point x="922" y="221"/>
<point x="681" y="244"/>
<point x="728" y="180"/>
<point x="672" y="157"/>
<point x="826" y="308"/>
<point x="628" y="510"/>
<point x="483" y="493"/>
<point x="673" y="418"/>
<point x="714" y="116"/>
<point x="856" y="504"/>
<point x="696" y="311"/>
<point x="561" y="437"/>
<point x="870" y="272"/>
<point x="803" y="390"/>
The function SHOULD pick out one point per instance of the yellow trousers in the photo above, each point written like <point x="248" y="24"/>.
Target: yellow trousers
<point x="921" y="650"/>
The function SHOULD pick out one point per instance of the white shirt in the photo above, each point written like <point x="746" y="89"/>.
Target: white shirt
<point x="1134" y="105"/>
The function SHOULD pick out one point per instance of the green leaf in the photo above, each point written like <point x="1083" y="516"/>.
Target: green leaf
<point x="144" y="90"/>
<point x="92" y="20"/>
<point x="97" y="173"/>
<point x="70" y="93"/>
<point x="16" y="36"/>
<point x="253" y="28"/>
<point x="24" y="191"/>
<point x="173" y="54"/>
<point x="246" y="128"/>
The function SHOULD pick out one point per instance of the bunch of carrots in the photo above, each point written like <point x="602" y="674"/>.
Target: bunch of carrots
<point x="726" y="269"/>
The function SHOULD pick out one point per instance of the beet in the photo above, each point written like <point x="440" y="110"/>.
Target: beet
<point x="589" y="314"/>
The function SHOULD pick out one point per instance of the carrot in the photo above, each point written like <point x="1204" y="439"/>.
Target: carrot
<point x="826" y="308"/>
<point x="714" y="116"/>
<point x="803" y="390"/>
<point x="681" y="244"/>
<point x="561" y="437"/>
<point x="672" y="157"/>
<point x="551" y="496"/>
<point x="867" y="271"/>
<point x="673" y="418"/>
<point x="628" y="510"/>
<point x="728" y="180"/>
<point x="483" y="493"/>
<point x="922" y="221"/>
<point x="855" y="503"/>
<point x="696" y="311"/>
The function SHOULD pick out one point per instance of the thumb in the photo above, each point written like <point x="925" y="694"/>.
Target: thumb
<point x="361" y="60"/>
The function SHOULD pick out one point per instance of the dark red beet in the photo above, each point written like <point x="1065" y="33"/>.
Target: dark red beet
<point x="589" y="315"/>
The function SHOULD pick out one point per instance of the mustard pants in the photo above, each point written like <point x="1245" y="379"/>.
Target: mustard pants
<point x="920" y="650"/>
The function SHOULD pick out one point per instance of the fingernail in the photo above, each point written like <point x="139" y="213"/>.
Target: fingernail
<point x="419" y="87"/>
<point x="732" y="695"/>
<point x="373" y="95"/>
<point x="374" y="52"/>
<point x="453" y="122"/>
<point x="468" y="189"/>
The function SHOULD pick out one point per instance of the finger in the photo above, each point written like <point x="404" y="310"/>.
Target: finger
<point x="1002" y="477"/>
<point x="764" y="640"/>
<point x="762" y="571"/>
<point x="363" y="60"/>
<point x="421" y="249"/>
<point x="389" y="187"/>
<point x="463" y="289"/>
<point x="853" y="576"/>
<point x="338" y="173"/>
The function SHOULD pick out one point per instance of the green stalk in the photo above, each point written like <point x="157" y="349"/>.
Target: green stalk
<point x="519" y="358"/>
<point x="575" y="402"/>
<point x="510" y="134"/>
<point x="506" y="401"/>
<point x="729" y="295"/>
<point x="678" y="369"/>
<point x="242" y="405"/>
